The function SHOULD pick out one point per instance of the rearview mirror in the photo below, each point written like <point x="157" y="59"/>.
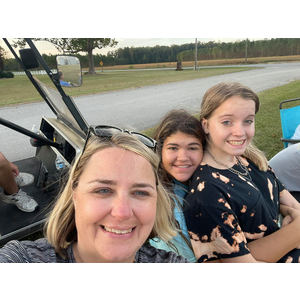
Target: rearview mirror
<point x="69" y="71"/>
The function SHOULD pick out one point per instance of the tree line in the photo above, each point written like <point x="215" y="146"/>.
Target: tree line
<point x="12" y="65"/>
<point x="207" y="51"/>
<point x="185" y="52"/>
<point x="259" y="48"/>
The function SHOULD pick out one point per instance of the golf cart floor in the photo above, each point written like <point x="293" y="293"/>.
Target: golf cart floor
<point x="14" y="223"/>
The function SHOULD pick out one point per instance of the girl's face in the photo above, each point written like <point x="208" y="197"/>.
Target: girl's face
<point x="230" y="128"/>
<point x="115" y="206"/>
<point x="181" y="155"/>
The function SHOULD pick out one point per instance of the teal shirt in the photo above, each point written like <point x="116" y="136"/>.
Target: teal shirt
<point x="180" y="191"/>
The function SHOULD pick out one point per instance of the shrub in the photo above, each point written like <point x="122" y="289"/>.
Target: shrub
<point x="6" y="74"/>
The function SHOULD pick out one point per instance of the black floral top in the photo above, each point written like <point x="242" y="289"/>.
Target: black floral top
<point x="225" y="211"/>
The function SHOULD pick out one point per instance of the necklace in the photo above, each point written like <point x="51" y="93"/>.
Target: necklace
<point x="246" y="172"/>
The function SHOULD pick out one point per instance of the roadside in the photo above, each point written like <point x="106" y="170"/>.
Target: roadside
<point x="203" y="63"/>
<point x="104" y="82"/>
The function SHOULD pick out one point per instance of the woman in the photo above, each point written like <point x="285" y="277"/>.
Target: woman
<point x="179" y="138"/>
<point x="234" y="195"/>
<point x="112" y="204"/>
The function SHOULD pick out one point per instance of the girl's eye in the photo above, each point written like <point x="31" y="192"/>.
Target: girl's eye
<point x="249" y="122"/>
<point x="226" y="122"/>
<point x="173" y="148"/>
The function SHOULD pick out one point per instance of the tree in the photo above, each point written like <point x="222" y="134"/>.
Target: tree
<point x="2" y="53"/>
<point x="76" y="45"/>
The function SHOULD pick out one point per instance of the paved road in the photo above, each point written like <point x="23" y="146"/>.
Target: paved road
<point x="138" y="108"/>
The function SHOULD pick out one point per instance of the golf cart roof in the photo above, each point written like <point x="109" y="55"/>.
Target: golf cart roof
<point x="59" y="102"/>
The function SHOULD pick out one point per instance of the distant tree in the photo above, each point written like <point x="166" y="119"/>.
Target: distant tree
<point x="2" y="53"/>
<point x="76" y="45"/>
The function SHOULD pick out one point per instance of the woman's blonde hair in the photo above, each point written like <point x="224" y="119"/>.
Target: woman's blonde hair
<point x="60" y="228"/>
<point x="217" y="95"/>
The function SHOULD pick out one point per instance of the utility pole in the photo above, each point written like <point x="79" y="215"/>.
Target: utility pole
<point x="195" y="54"/>
<point x="246" y="52"/>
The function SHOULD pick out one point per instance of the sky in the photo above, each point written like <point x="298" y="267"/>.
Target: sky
<point x="48" y="48"/>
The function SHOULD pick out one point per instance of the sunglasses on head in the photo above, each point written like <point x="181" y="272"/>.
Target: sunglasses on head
<point x="108" y="131"/>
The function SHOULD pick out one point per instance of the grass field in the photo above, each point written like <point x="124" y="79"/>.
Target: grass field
<point x="268" y="124"/>
<point x="20" y="90"/>
<point x="203" y="63"/>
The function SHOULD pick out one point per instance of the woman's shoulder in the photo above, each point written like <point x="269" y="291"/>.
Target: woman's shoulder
<point x="39" y="251"/>
<point x="150" y="254"/>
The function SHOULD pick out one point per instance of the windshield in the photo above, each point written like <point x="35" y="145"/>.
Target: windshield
<point x="57" y="103"/>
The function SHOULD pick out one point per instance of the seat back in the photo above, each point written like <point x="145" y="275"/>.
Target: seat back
<point x="290" y="119"/>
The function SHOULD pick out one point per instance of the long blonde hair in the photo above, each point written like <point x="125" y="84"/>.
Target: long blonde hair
<point x="60" y="228"/>
<point x="218" y="94"/>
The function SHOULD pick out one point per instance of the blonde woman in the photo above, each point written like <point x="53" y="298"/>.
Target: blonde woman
<point x="112" y="204"/>
<point x="235" y="197"/>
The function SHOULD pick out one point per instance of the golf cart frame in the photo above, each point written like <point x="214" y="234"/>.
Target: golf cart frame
<point x="62" y="136"/>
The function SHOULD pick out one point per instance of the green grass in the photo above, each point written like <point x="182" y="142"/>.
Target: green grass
<point x="20" y="90"/>
<point x="268" y="124"/>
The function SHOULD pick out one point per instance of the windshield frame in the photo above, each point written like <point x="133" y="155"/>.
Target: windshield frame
<point x="69" y="112"/>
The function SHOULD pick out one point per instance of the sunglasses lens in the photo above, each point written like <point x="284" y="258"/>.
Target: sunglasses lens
<point x="145" y="140"/>
<point x="106" y="131"/>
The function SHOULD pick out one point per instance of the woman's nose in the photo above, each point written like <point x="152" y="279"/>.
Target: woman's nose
<point x="122" y="209"/>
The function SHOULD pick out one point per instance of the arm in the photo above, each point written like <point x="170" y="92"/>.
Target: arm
<point x="248" y="258"/>
<point x="287" y="199"/>
<point x="274" y="246"/>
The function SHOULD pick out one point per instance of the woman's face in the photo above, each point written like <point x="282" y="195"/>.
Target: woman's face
<point x="115" y="206"/>
<point x="181" y="155"/>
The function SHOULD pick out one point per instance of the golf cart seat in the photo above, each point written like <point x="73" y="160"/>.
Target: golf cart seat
<point x="290" y="119"/>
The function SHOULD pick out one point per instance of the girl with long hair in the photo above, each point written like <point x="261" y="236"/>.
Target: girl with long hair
<point x="232" y="210"/>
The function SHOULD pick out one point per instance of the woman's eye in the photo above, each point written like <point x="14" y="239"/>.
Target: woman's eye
<point x="249" y="122"/>
<point x="141" y="193"/>
<point x="102" y="191"/>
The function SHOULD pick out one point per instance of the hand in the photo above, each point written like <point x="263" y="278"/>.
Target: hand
<point x="287" y="221"/>
<point x="14" y="169"/>
<point x="292" y="214"/>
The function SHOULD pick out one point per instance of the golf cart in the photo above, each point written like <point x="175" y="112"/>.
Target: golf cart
<point x="58" y="141"/>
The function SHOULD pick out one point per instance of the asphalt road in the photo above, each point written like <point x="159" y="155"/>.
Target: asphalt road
<point x="138" y="108"/>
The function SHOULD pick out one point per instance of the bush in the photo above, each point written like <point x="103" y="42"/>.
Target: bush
<point x="6" y="74"/>
<point x="10" y="74"/>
